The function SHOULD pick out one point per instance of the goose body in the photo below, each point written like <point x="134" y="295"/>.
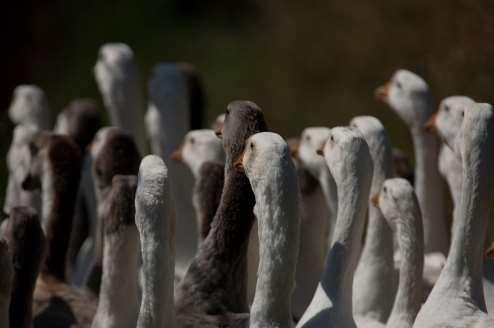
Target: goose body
<point x="457" y="298"/>
<point x="347" y="156"/>
<point x="399" y="205"/>
<point x="409" y="96"/>
<point x="375" y="283"/>
<point x="119" y="295"/>
<point x="155" y="222"/>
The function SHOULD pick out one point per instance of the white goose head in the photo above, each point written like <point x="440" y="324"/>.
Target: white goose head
<point x="115" y="61"/>
<point x="408" y="95"/>
<point x="29" y="106"/>
<point x="312" y="139"/>
<point x="448" y="119"/>
<point x="200" y="146"/>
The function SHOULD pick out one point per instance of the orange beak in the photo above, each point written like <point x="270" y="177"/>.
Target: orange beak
<point x="430" y="126"/>
<point x="382" y="92"/>
<point x="489" y="253"/>
<point x="320" y="150"/>
<point x="239" y="161"/>
<point x="375" y="200"/>
<point x="294" y="146"/>
<point x="219" y="131"/>
<point x="177" y="154"/>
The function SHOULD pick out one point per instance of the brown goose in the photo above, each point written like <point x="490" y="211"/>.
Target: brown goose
<point x="26" y="241"/>
<point x="213" y="290"/>
<point x="56" y="169"/>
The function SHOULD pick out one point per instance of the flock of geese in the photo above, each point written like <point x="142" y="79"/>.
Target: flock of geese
<point x="238" y="227"/>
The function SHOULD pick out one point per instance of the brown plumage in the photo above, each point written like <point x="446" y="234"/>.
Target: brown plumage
<point x="213" y="290"/>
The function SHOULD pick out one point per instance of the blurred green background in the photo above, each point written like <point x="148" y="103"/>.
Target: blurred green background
<point x="305" y="63"/>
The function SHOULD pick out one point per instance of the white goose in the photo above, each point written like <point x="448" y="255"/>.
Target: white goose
<point x="167" y="121"/>
<point x="375" y="283"/>
<point x="399" y="205"/>
<point x="30" y="106"/>
<point x="273" y="177"/>
<point x="348" y="158"/>
<point x="155" y="222"/>
<point x="457" y="299"/>
<point x="117" y="77"/>
<point x="409" y="96"/>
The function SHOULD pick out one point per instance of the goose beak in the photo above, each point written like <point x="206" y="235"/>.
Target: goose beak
<point x="382" y="92"/>
<point x="375" y="200"/>
<point x="320" y="150"/>
<point x="219" y="131"/>
<point x="177" y="154"/>
<point x="294" y="146"/>
<point x="239" y="161"/>
<point x="430" y="126"/>
<point x="489" y="253"/>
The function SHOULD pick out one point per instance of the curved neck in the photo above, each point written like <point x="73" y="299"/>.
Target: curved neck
<point x="407" y="301"/>
<point x="337" y="277"/>
<point x="329" y="189"/>
<point x="221" y="260"/>
<point x="464" y="265"/>
<point x="118" y="297"/>
<point x="158" y="265"/>
<point x="428" y="186"/>
<point x="277" y="211"/>
<point x="59" y="192"/>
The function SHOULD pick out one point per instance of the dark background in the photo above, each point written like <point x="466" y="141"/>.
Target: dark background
<point x="304" y="62"/>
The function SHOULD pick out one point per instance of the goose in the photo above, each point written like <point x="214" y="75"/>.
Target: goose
<point x="168" y="119"/>
<point x="26" y="242"/>
<point x="446" y="123"/>
<point x="348" y="158"/>
<point x="273" y="178"/>
<point x="30" y="107"/>
<point x="117" y="76"/>
<point x="6" y="278"/>
<point x="374" y="284"/>
<point x="218" y="122"/>
<point x="215" y="281"/>
<point x="399" y="205"/>
<point x="409" y="96"/>
<point x="119" y="295"/>
<point x="18" y="162"/>
<point x="457" y="299"/>
<point x="56" y="169"/>
<point x="203" y="153"/>
<point x="155" y="221"/>
<point x="313" y="234"/>
<point x="113" y="152"/>
<point x="80" y="120"/>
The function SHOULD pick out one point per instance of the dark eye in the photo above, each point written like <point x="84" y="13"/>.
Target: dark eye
<point x="227" y="111"/>
<point x="251" y="145"/>
<point x="398" y="84"/>
<point x="192" y="140"/>
<point x="446" y="108"/>
<point x="462" y="114"/>
<point x="307" y="138"/>
<point x="331" y="138"/>
<point x="385" y="189"/>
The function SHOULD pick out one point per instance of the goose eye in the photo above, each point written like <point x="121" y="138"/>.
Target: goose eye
<point x="192" y="141"/>
<point x="251" y="145"/>
<point x="462" y="114"/>
<point x="331" y="138"/>
<point x="446" y="108"/>
<point x="227" y="112"/>
<point x="385" y="189"/>
<point x="307" y="138"/>
<point x="398" y="84"/>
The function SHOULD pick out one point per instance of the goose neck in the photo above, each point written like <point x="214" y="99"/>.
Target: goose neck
<point x="277" y="211"/>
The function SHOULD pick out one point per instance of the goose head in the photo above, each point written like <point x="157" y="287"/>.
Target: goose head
<point x="264" y="154"/>
<point x="446" y="122"/>
<point x="310" y="141"/>
<point x="377" y="139"/>
<point x="199" y="146"/>
<point x="347" y="154"/>
<point x="218" y="122"/>
<point x="114" y="152"/>
<point x="115" y="62"/>
<point x="408" y="95"/>
<point x="80" y="120"/>
<point x="395" y="198"/>
<point x="29" y="106"/>
<point x="243" y="118"/>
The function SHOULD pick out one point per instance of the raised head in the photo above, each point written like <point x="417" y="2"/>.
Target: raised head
<point x="29" y="106"/>
<point x="311" y="140"/>
<point x="409" y="96"/>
